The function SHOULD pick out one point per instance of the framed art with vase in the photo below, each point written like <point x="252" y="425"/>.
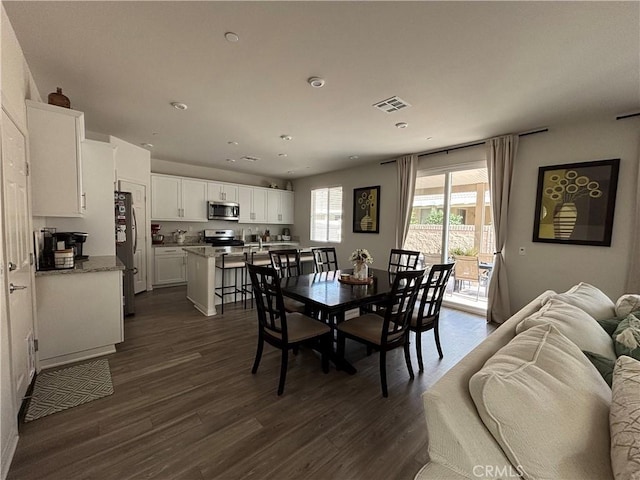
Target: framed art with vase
<point x="366" y="210"/>
<point x="575" y="203"/>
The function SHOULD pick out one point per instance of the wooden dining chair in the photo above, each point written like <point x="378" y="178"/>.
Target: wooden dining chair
<point x="287" y="263"/>
<point x="325" y="259"/>
<point x="401" y="260"/>
<point x="281" y="329"/>
<point x="426" y="312"/>
<point x="384" y="333"/>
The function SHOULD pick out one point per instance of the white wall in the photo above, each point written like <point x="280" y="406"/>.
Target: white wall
<point x="545" y="266"/>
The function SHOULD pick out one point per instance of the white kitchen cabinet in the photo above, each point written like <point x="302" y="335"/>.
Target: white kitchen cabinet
<point x="253" y="204"/>
<point x="55" y="136"/>
<point x="279" y="206"/>
<point x="222" y="192"/>
<point x="170" y="266"/>
<point x="177" y="198"/>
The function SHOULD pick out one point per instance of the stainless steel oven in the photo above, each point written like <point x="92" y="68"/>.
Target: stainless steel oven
<point x="224" y="211"/>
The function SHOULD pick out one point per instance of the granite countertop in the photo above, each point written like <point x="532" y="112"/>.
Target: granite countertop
<point x="236" y="251"/>
<point x="101" y="263"/>
<point x="174" y="244"/>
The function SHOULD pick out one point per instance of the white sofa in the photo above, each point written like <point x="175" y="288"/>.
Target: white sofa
<point x="461" y="446"/>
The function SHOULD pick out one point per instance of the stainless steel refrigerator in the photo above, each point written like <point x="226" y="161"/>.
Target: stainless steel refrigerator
<point x="126" y="245"/>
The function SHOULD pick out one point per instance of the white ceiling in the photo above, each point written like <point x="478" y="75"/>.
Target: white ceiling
<point x="470" y="70"/>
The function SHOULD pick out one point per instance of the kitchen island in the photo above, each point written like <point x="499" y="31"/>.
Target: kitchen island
<point x="201" y="270"/>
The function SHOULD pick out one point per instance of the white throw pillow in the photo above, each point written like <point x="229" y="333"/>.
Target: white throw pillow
<point x="547" y="407"/>
<point x="624" y="419"/>
<point x="573" y="322"/>
<point x="590" y="299"/>
<point x="626" y="304"/>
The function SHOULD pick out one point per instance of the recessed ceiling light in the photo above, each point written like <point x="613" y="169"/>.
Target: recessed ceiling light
<point x="353" y="157"/>
<point x="232" y="160"/>
<point x="429" y="138"/>
<point x="232" y="143"/>
<point x="179" y="105"/>
<point x="289" y="172"/>
<point x="286" y="137"/>
<point x="282" y="154"/>
<point x="154" y="134"/>
<point x="249" y="158"/>
<point x="402" y="125"/>
<point x="231" y="37"/>
<point x="316" y="82"/>
<point x="147" y="145"/>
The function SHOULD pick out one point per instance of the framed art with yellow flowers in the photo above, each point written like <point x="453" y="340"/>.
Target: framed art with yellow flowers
<point x="576" y="202"/>
<point x="366" y="210"/>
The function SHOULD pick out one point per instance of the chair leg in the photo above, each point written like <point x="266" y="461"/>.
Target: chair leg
<point x="256" y="362"/>
<point x="407" y="358"/>
<point x="383" y="372"/>
<point x="340" y="347"/>
<point x="369" y="350"/>
<point x="325" y="344"/>
<point x="436" y="334"/>
<point x="283" y="370"/>
<point x="419" y="350"/>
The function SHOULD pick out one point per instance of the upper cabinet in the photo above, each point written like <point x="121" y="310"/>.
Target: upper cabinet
<point x="222" y="192"/>
<point x="279" y="206"/>
<point x="55" y="136"/>
<point x="176" y="198"/>
<point x="253" y="204"/>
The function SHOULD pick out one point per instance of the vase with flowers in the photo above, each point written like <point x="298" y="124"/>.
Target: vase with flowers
<point x="360" y="258"/>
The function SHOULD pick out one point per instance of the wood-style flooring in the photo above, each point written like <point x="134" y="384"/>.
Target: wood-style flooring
<point x="186" y="406"/>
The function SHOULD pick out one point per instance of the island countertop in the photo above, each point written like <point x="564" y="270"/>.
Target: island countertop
<point x="235" y="251"/>
<point x="100" y="263"/>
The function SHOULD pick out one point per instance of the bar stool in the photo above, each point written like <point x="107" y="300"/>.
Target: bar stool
<point x="254" y="258"/>
<point x="225" y="264"/>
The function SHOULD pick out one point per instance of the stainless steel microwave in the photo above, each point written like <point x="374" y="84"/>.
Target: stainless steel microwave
<point x="224" y="211"/>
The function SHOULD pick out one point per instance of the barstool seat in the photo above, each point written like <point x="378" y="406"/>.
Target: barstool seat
<point x="236" y="263"/>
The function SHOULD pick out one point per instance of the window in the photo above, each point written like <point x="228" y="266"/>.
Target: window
<point x="326" y="214"/>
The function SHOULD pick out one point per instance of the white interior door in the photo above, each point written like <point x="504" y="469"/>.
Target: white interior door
<point x="18" y="241"/>
<point x="139" y="201"/>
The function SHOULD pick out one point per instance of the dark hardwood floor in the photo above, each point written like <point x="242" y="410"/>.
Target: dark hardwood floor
<point x="187" y="406"/>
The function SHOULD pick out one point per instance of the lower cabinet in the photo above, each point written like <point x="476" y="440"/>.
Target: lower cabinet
<point x="170" y="266"/>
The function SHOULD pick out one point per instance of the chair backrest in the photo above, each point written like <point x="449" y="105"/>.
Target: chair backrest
<point x="467" y="268"/>
<point x="432" y="290"/>
<point x="286" y="262"/>
<point x="325" y="259"/>
<point x="401" y="260"/>
<point x="269" y="302"/>
<point x="400" y="304"/>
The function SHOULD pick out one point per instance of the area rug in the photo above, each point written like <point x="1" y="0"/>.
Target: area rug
<point x="59" y="390"/>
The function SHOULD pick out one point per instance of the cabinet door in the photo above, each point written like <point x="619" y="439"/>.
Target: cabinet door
<point x="245" y="199"/>
<point x="230" y="193"/>
<point x="55" y="134"/>
<point x="170" y="269"/>
<point x="166" y="197"/>
<point x="259" y="201"/>
<point x="273" y="206"/>
<point x="214" y="192"/>
<point x="194" y="200"/>
<point x="286" y="207"/>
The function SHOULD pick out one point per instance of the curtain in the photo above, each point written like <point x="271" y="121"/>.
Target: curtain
<point x="633" y="274"/>
<point x="407" y="169"/>
<point x="501" y="153"/>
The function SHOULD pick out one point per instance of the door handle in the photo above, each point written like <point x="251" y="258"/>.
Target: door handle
<point x="135" y="230"/>
<point x="12" y="266"/>
<point x="134" y="270"/>
<point x="13" y="288"/>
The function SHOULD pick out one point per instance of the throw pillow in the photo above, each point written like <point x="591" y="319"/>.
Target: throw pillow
<point x="590" y="299"/>
<point x="546" y="406"/>
<point x="626" y="338"/>
<point x="624" y="419"/>
<point x="627" y="304"/>
<point x="575" y="324"/>
<point x="604" y="365"/>
<point x="610" y="324"/>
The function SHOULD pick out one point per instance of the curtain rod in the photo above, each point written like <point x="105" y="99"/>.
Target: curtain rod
<point x="451" y="149"/>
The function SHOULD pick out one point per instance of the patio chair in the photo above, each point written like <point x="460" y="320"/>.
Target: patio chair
<point x="467" y="270"/>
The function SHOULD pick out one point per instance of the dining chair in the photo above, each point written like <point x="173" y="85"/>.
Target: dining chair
<point x="426" y="311"/>
<point x="281" y="329"/>
<point x="384" y="333"/>
<point x="325" y="259"/>
<point x="286" y="262"/>
<point x="467" y="269"/>
<point x="400" y="260"/>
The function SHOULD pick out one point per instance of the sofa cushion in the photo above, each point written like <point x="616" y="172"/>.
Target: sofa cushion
<point x="626" y="304"/>
<point x="546" y="406"/>
<point x="575" y="324"/>
<point x="626" y="338"/>
<point x="624" y="419"/>
<point x="590" y="299"/>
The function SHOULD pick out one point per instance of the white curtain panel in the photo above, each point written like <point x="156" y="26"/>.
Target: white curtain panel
<point x="501" y="154"/>
<point x="407" y="169"/>
<point x="633" y="275"/>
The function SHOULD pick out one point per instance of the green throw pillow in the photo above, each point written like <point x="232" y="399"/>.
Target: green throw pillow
<point x="610" y="324"/>
<point x="626" y="338"/>
<point x="603" y="364"/>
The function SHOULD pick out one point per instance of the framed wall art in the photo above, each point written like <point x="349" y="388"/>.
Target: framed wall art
<point x="575" y="203"/>
<point x="366" y="210"/>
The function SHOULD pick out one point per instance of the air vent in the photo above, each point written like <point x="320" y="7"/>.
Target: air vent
<point x="391" y="105"/>
<point x="249" y="158"/>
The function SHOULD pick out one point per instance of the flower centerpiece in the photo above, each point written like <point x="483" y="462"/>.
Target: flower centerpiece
<point x="360" y="258"/>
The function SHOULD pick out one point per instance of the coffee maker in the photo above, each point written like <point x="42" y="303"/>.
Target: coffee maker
<point x="74" y="240"/>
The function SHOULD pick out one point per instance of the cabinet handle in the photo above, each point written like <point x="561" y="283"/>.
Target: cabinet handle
<point x="84" y="201"/>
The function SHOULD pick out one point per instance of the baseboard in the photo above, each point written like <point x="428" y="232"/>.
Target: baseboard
<point x="76" y="357"/>
<point x="8" y="452"/>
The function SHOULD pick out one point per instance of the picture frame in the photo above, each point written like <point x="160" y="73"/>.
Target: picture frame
<point x="575" y="203"/>
<point x="366" y="210"/>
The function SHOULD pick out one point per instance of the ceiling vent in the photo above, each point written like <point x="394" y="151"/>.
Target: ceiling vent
<point x="249" y="158"/>
<point x="391" y="105"/>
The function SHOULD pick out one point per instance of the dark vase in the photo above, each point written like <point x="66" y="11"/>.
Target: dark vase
<point x="58" y="99"/>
